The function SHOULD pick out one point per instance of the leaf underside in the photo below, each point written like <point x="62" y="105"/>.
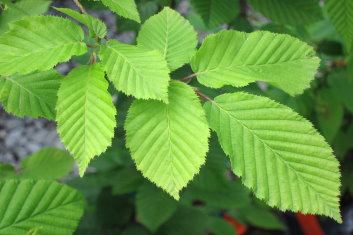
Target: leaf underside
<point x="27" y="204"/>
<point x="277" y="153"/>
<point x="85" y="114"/>
<point x="39" y="43"/>
<point x="279" y="59"/>
<point x="168" y="141"/>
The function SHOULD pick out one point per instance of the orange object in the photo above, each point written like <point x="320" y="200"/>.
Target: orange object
<point x="239" y="228"/>
<point x="309" y="224"/>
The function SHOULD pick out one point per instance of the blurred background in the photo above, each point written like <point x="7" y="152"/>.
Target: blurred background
<point x="121" y="201"/>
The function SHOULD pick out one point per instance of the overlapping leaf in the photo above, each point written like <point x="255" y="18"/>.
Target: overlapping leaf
<point x="237" y="59"/>
<point x="26" y="204"/>
<point x="39" y="43"/>
<point x="216" y="12"/>
<point x="153" y="206"/>
<point x="95" y="26"/>
<point x="33" y="95"/>
<point x="22" y="9"/>
<point x="86" y="114"/>
<point x="277" y="153"/>
<point x="136" y="71"/>
<point x="298" y="12"/>
<point x="168" y="141"/>
<point x="341" y="15"/>
<point x="125" y="8"/>
<point x="48" y="163"/>
<point x="170" y="34"/>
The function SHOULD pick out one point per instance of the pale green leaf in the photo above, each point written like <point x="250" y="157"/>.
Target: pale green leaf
<point x="170" y="34"/>
<point x="32" y="95"/>
<point x="277" y="153"/>
<point x="216" y="12"/>
<point x="341" y="16"/>
<point x="168" y="141"/>
<point x="39" y="43"/>
<point x="26" y="204"/>
<point x="293" y="12"/>
<point x="125" y="8"/>
<point x="48" y="163"/>
<point x="22" y="9"/>
<point x="95" y="26"/>
<point x="136" y="71"/>
<point x="237" y="59"/>
<point x="154" y="207"/>
<point x="85" y="114"/>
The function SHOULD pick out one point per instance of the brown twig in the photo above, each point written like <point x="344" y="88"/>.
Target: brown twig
<point x="187" y="78"/>
<point x="82" y="9"/>
<point x="204" y="96"/>
<point x="91" y="46"/>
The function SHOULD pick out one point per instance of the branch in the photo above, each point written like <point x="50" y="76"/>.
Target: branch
<point x="204" y="96"/>
<point x="188" y="77"/>
<point x="82" y="9"/>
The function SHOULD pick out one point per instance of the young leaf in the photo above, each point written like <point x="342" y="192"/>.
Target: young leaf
<point x="95" y="26"/>
<point x="33" y="95"/>
<point x="136" y="71"/>
<point x="168" y="141"/>
<point x="48" y="163"/>
<point x="85" y="114"/>
<point x="154" y="207"/>
<point x="22" y="9"/>
<point x="125" y="8"/>
<point x="237" y="59"/>
<point x="170" y="34"/>
<point x="216" y="12"/>
<point x="298" y="12"/>
<point x="277" y="153"/>
<point x="341" y="16"/>
<point x="27" y="203"/>
<point x="39" y="43"/>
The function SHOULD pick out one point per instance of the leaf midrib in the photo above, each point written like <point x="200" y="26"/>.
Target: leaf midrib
<point x="274" y="152"/>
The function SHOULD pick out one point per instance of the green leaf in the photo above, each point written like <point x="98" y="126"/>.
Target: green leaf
<point x="168" y="141"/>
<point x="154" y="207"/>
<point x="277" y="153"/>
<point x="342" y="88"/>
<point x="186" y="221"/>
<point x="48" y="163"/>
<point x="298" y="12"/>
<point x="170" y="34"/>
<point x="27" y="203"/>
<point x="86" y="114"/>
<point x="126" y="180"/>
<point x="136" y="71"/>
<point x="39" y="43"/>
<point x="33" y="95"/>
<point x="125" y="8"/>
<point x="95" y="26"/>
<point x="213" y="187"/>
<point x="329" y="113"/>
<point x="341" y="16"/>
<point x="220" y="226"/>
<point x="7" y="171"/>
<point x="237" y="59"/>
<point x="22" y="9"/>
<point x="262" y="218"/>
<point x="216" y="12"/>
